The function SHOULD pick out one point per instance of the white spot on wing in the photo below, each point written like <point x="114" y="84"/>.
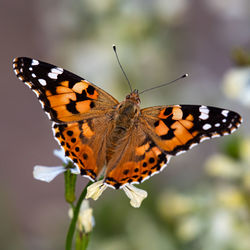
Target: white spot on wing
<point x="225" y="112"/>
<point x="37" y="93"/>
<point x="42" y="81"/>
<point x="217" y="125"/>
<point x="204" y="139"/>
<point x="16" y="71"/>
<point x="204" y="109"/>
<point x="224" y="120"/>
<point x="163" y="166"/>
<point x="48" y="114"/>
<point x="233" y="129"/>
<point x="193" y="145"/>
<point x="203" y="116"/>
<point x="206" y="126"/>
<point x="57" y="71"/>
<point x="42" y="104"/>
<point x="34" y="62"/>
<point x="215" y="135"/>
<point x="33" y="75"/>
<point x="180" y="152"/>
<point x="52" y="75"/>
<point x="86" y="176"/>
<point x="28" y="84"/>
<point x="30" y="68"/>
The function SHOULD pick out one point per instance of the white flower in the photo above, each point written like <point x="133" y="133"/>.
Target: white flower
<point x="135" y="195"/>
<point x="59" y="153"/>
<point x="188" y="228"/>
<point x="86" y="220"/>
<point x="219" y="165"/>
<point x="95" y="190"/>
<point x="47" y="174"/>
<point x="236" y="85"/>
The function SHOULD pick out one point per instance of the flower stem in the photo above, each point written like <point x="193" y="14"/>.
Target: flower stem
<point x="72" y="225"/>
<point x="82" y="241"/>
<point x="70" y="183"/>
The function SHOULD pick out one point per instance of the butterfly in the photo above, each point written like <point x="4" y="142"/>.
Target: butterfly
<point x="118" y="140"/>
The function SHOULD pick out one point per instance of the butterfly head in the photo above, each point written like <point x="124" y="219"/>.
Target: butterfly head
<point x="134" y="97"/>
<point x="130" y="107"/>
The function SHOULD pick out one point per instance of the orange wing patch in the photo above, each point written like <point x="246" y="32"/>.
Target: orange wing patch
<point x="142" y="149"/>
<point x="151" y="160"/>
<point x="80" y="86"/>
<point x="161" y="128"/>
<point x="173" y="128"/>
<point x="181" y="132"/>
<point x="67" y="103"/>
<point x="86" y="130"/>
<point x="61" y="99"/>
<point x="69" y="136"/>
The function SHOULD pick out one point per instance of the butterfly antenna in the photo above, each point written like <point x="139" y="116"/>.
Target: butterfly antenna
<point x="114" y="48"/>
<point x="165" y="84"/>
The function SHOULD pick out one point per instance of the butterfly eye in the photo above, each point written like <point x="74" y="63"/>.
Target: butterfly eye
<point x="128" y="96"/>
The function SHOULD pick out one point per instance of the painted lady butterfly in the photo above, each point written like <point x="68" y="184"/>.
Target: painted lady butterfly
<point x="118" y="139"/>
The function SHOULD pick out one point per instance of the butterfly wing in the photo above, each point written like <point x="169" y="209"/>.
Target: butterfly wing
<point x="177" y="128"/>
<point x="84" y="143"/>
<point x="80" y="110"/>
<point x="135" y="159"/>
<point x="162" y="132"/>
<point x="65" y="97"/>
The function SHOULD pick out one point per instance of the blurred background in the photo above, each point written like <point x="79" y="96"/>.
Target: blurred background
<point x="201" y="201"/>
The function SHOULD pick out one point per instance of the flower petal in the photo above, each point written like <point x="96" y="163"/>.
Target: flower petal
<point x="47" y="174"/>
<point x="60" y="154"/>
<point x="95" y="190"/>
<point x="135" y="195"/>
<point x="75" y="170"/>
<point x="236" y="85"/>
<point x="86" y="218"/>
<point x="223" y="166"/>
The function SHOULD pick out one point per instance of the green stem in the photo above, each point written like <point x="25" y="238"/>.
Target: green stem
<point x="70" y="183"/>
<point x="72" y="225"/>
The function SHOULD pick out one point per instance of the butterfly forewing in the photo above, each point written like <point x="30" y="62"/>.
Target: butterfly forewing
<point x="65" y="96"/>
<point x="177" y="128"/>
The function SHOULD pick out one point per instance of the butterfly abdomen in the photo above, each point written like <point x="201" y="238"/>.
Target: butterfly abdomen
<point x="125" y="118"/>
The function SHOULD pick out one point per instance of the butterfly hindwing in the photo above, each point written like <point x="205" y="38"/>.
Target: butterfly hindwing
<point x="177" y="128"/>
<point x="84" y="143"/>
<point x="64" y="96"/>
<point x="135" y="159"/>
